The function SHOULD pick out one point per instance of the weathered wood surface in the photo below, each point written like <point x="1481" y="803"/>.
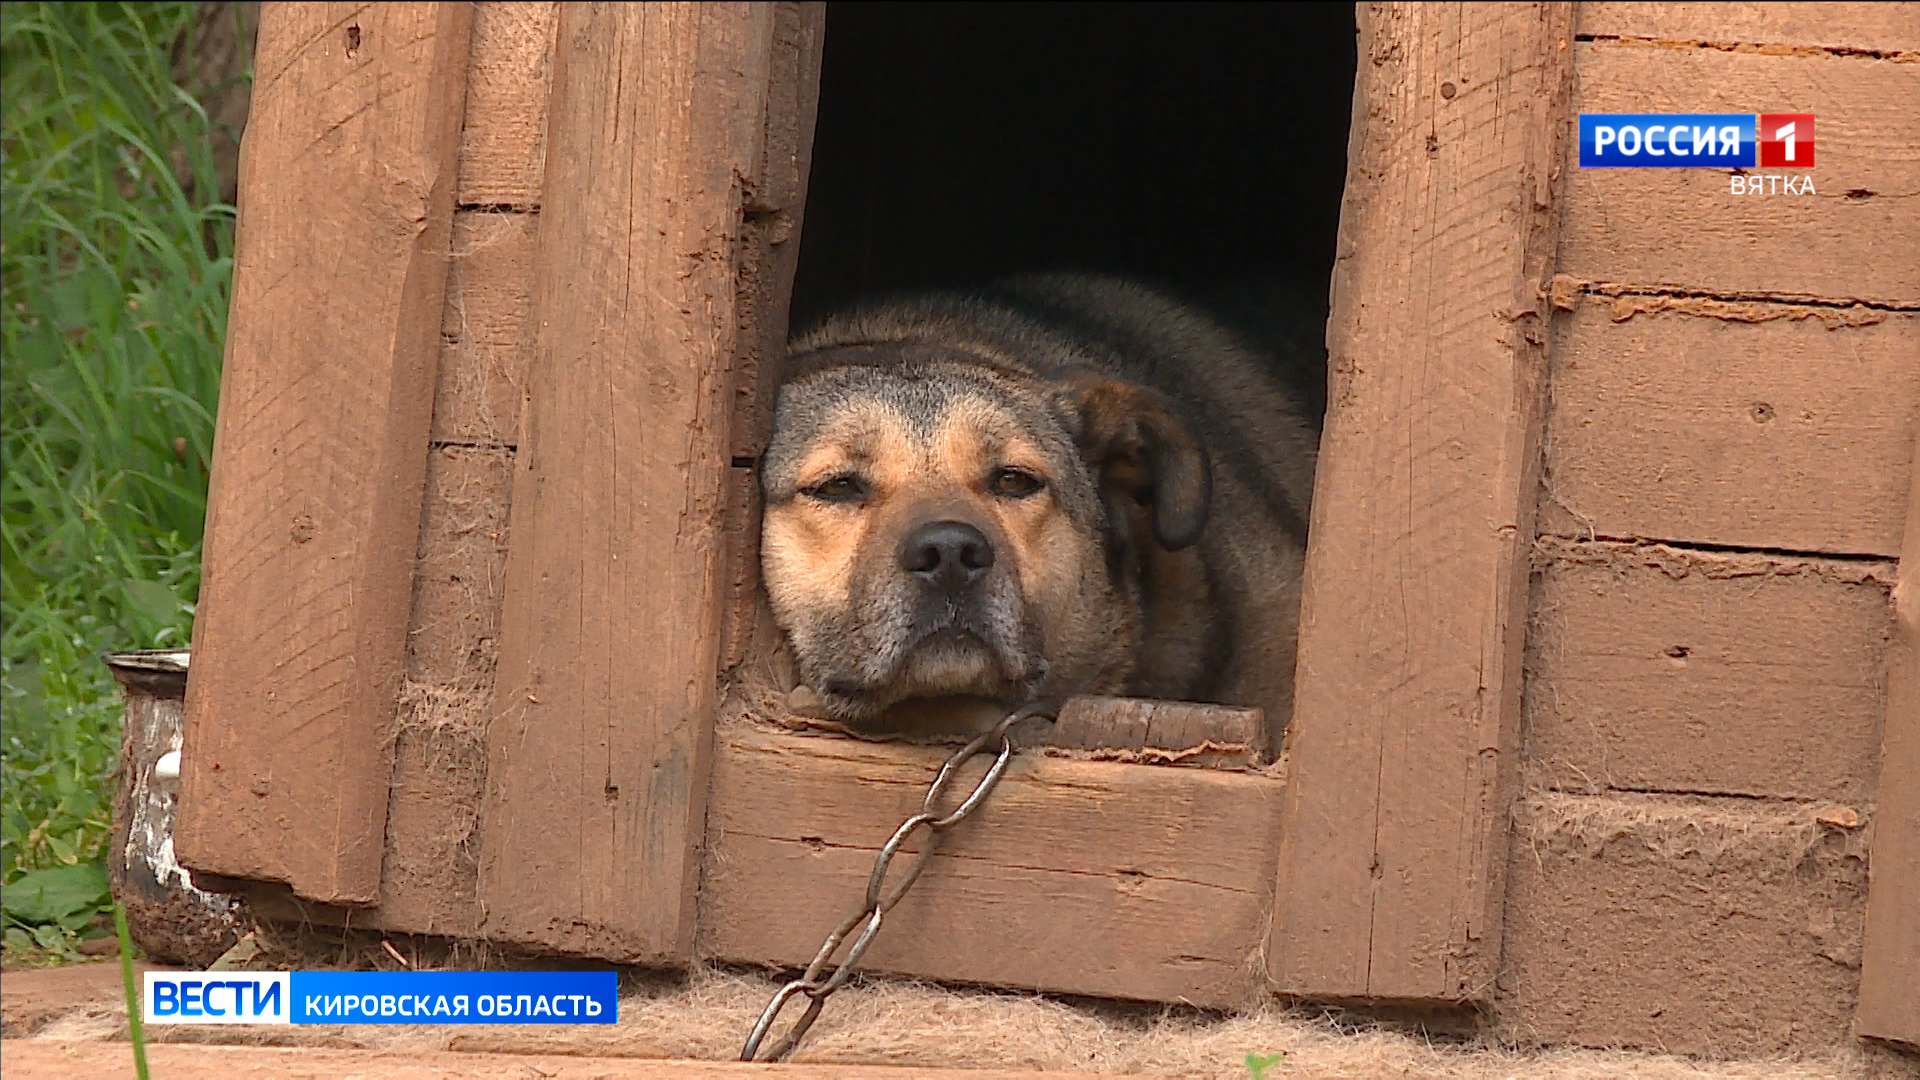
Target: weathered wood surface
<point x="1889" y="1009"/>
<point x="486" y="346"/>
<point x="1773" y="28"/>
<point x="503" y="144"/>
<point x="1080" y="877"/>
<point x="57" y="1060"/>
<point x="430" y="882"/>
<point x="30" y="998"/>
<point x="1684" y="230"/>
<point x="1774" y="426"/>
<point x="1161" y="732"/>
<point x="1717" y="927"/>
<point x="1414" y="610"/>
<point x="1658" y="669"/>
<point x="347" y="191"/>
<point x="776" y="195"/>
<point x="604" y="697"/>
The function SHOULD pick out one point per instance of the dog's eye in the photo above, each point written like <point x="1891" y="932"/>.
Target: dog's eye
<point x="1014" y="483"/>
<point x="838" y="489"/>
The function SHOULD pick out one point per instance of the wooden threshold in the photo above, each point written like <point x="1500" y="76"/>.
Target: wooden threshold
<point x="1080" y="877"/>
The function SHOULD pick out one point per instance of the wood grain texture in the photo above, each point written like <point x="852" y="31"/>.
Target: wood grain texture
<point x="1413" y="614"/>
<point x="604" y="699"/>
<point x="463" y="549"/>
<point x="503" y="144"/>
<point x="776" y="195"/>
<point x="1884" y="28"/>
<point x="486" y="344"/>
<point x="57" y="1059"/>
<point x="1161" y="732"/>
<point x="31" y="998"/>
<point x="1079" y="877"/>
<point x="1683" y="229"/>
<point x="1768" y="426"/>
<point x="1719" y="927"/>
<point x="1889" y="1009"/>
<point x="1657" y="669"/>
<point x="429" y="878"/>
<point x="346" y="188"/>
<point x="429" y="883"/>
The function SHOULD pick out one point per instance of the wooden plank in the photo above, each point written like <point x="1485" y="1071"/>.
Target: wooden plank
<point x="1753" y="425"/>
<point x="429" y="881"/>
<point x="776" y="196"/>
<point x="769" y="254"/>
<point x="483" y="365"/>
<point x="604" y="699"/>
<point x="1683" y="229"/>
<point x="32" y="997"/>
<point x="56" y="1060"/>
<point x="1413" y="613"/>
<point x="462" y="557"/>
<point x="1658" y="669"/>
<point x="1161" y="732"/>
<point x="503" y="143"/>
<point x="1080" y="877"/>
<point x="1718" y="927"/>
<point x="1765" y="26"/>
<point x="347" y="183"/>
<point x="1889" y="1009"/>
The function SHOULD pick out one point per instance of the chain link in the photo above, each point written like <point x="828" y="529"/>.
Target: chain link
<point x="880" y="900"/>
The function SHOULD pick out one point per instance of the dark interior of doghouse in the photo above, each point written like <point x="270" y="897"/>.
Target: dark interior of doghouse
<point x="1198" y="146"/>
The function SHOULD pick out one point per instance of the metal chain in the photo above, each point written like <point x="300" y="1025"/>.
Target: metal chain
<point x="811" y="983"/>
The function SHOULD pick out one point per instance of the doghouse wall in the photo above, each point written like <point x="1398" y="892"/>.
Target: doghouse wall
<point x="1733" y="396"/>
<point x="429" y="882"/>
<point x="1727" y="457"/>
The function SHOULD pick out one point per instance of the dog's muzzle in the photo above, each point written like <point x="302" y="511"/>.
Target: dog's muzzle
<point x="945" y="558"/>
<point x="951" y="592"/>
<point x="947" y="618"/>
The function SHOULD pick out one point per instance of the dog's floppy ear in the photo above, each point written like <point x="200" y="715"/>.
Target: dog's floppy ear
<point x="1139" y="445"/>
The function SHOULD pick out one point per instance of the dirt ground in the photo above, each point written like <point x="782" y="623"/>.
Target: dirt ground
<point x="72" y="1022"/>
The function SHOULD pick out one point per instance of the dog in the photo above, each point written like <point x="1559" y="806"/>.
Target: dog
<point x="1059" y="485"/>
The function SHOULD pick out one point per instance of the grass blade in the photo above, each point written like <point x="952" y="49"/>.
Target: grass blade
<point x="136" y="1031"/>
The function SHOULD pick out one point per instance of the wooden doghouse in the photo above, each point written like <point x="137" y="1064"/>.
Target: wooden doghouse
<point x="1602" y="704"/>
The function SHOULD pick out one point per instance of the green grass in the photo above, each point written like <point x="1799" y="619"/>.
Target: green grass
<point x="116" y="258"/>
<point x="135" y="1032"/>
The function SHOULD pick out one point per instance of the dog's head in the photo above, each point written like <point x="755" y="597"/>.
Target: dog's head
<point x="937" y="526"/>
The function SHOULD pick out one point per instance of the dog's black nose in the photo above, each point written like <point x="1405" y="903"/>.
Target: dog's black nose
<point x="947" y="555"/>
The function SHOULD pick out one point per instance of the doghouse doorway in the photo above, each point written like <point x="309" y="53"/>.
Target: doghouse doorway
<point x="1198" y="146"/>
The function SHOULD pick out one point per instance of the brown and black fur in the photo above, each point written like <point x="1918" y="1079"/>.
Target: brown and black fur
<point x="1139" y="480"/>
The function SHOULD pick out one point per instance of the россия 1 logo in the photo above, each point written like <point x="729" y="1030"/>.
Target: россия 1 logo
<point x="1696" y="140"/>
<point x="1786" y="140"/>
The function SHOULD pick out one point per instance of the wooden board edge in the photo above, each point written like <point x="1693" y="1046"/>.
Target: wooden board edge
<point x="1890" y="959"/>
<point x="384" y="566"/>
<point x="1371" y="962"/>
<point x="60" y="1058"/>
<point x="654" y="746"/>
